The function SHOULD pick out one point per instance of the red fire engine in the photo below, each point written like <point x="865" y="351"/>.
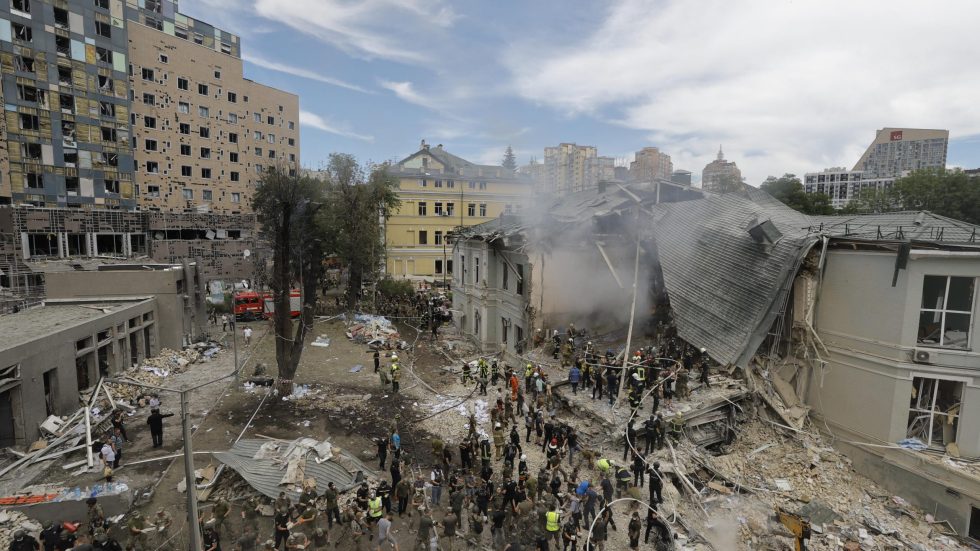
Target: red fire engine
<point x="250" y="305"/>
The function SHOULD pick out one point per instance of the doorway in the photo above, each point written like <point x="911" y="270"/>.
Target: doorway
<point x="7" y="435"/>
<point x="50" y="390"/>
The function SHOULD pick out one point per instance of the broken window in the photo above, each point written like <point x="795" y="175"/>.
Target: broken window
<point x="233" y="118"/>
<point x="103" y="29"/>
<point x="188" y="194"/>
<point x="67" y="106"/>
<point x="945" y="314"/>
<point x="29" y="122"/>
<point x="506" y="275"/>
<point x="934" y="410"/>
<point x="23" y="6"/>
<point x="30" y="151"/>
<point x="62" y="45"/>
<point x="106" y="83"/>
<point x="33" y="180"/>
<point x="70" y="157"/>
<point x="25" y="64"/>
<point x="108" y="134"/>
<point x="76" y="245"/>
<point x="68" y="133"/>
<point x="423" y="237"/>
<point x="23" y="32"/>
<point x="520" y="279"/>
<point x="503" y="330"/>
<point x="103" y="54"/>
<point x="109" y="158"/>
<point x="476" y="270"/>
<point x="112" y="186"/>
<point x="27" y="93"/>
<point x="109" y="244"/>
<point x="154" y="23"/>
<point x="72" y="186"/>
<point x="107" y="109"/>
<point x="43" y="244"/>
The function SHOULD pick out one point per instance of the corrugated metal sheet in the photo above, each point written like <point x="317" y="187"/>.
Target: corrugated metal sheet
<point x="724" y="287"/>
<point x="264" y="474"/>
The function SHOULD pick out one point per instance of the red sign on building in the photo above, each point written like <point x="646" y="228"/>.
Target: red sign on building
<point x="896" y="135"/>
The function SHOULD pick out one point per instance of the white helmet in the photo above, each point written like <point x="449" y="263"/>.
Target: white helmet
<point x="394" y="356"/>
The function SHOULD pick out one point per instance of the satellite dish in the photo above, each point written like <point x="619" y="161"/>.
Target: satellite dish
<point x="246" y="253"/>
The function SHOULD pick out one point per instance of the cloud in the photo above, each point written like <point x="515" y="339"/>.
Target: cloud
<point x="316" y="121"/>
<point x="301" y="72"/>
<point x="387" y="29"/>
<point x="798" y="84"/>
<point x="406" y="92"/>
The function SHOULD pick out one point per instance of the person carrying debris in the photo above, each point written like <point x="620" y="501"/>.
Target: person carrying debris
<point x="155" y="421"/>
<point x="137" y="531"/>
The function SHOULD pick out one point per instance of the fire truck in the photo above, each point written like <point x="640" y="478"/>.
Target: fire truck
<point x="250" y="305"/>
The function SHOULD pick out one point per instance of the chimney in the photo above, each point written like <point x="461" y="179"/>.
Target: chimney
<point x="424" y="146"/>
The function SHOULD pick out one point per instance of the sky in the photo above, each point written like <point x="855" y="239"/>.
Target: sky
<point x="784" y="86"/>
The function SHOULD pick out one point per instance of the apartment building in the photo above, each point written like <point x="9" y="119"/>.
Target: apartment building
<point x="898" y="150"/>
<point x="607" y="169"/>
<point x="65" y="130"/>
<point x="202" y="133"/>
<point x="650" y="164"/>
<point x="130" y="104"/>
<point x="441" y="192"/>
<point x="842" y="185"/>
<point x="569" y="168"/>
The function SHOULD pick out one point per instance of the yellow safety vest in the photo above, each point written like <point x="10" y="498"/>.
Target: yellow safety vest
<point x="642" y="372"/>
<point x="529" y="370"/>
<point x="552" y="521"/>
<point x="603" y="464"/>
<point x="374" y="507"/>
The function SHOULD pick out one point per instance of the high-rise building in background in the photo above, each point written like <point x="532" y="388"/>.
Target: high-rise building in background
<point x="720" y="175"/>
<point x="570" y="168"/>
<point x="895" y="151"/>
<point x="131" y="104"/>
<point x="607" y="169"/>
<point x="650" y="164"/>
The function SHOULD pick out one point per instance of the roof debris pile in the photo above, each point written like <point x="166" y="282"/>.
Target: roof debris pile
<point x="375" y="331"/>
<point x="763" y="470"/>
<point x="271" y="466"/>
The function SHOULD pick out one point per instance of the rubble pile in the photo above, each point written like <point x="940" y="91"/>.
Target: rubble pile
<point x="154" y="370"/>
<point x="763" y="470"/>
<point x="375" y="331"/>
<point x="11" y="521"/>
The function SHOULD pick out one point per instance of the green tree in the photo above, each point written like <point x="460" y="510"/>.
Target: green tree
<point x="872" y="200"/>
<point x="789" y="190"/>
<point x="355" y="208"/>
<point x="287" y="207"/>
<point x="728" y="183"/>
<point x="953" y="194"/>
<point x="509" y="162"/>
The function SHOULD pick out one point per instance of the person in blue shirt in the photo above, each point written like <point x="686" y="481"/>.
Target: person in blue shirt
<point x="574" y="375"/>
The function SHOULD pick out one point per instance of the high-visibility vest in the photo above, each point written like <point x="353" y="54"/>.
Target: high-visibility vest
<point x="374" y="507"/>
<point x="603" y="464"/>
<point x="529" y="370"/>
<point x="642" y="372"/>
<point x="551" y="518"/>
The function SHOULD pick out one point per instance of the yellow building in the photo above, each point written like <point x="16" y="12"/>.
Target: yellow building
<point x="440" y="192"/>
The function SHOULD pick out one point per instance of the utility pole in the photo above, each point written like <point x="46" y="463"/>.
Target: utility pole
<point x="191" y="480"/>
<point x="234" y="346"/>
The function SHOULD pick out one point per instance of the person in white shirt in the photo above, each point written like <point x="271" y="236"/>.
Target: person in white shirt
<point x="247" y="333"/>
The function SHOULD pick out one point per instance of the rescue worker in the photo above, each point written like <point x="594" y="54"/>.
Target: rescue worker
<point x="629" y="439"/>
<point x="656" y="484"/>
<point x="528" y="375"/>
<point x="494" y="373"/>
<point x="484" y="376"/>
<point x="375" y="508"/>
<point x="485" y="456"/>
<point x="466" y="373"/>
<point x="137" y="536"/>
<point x="104" y="543"/>
<point x="622" y="481"/>
<point x="219" y="513"/>
<point x="604" y="465"/>
<point x="705" y="368"/>
<point x="162" y="522"/>
<point x="552" y="523"/>
<point x="96" y="516"/>
<point x="677" y="426"/>
<point x="23" y="542"/>
<point x="498" y="441"/>
<point x="395" y="375"/>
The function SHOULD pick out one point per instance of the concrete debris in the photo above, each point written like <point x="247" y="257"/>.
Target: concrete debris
<point x="11" y="521"/>
<point x="322" y="341"/>
<point x="155" y="370"/>
<point x="376" y="332"/>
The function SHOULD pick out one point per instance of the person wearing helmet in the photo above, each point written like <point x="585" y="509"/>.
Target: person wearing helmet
<point x="498" y="441"/>
<point x="104" y="543"/>
<point x="23" y="542"/>
<point x="50" y="535"/>
<point x="656" y="483"/>
<point x="96" y="516"/>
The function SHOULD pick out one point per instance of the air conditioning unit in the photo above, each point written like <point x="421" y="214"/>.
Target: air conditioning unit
<point x="922" y="356"/>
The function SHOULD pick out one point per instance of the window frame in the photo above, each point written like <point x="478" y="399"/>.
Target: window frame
<point x="944" y="311"/>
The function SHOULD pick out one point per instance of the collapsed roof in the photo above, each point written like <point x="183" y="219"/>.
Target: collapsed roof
<point x="728" y="260"/>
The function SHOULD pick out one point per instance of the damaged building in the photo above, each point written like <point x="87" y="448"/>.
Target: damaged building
<point x="864" y="326"/>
